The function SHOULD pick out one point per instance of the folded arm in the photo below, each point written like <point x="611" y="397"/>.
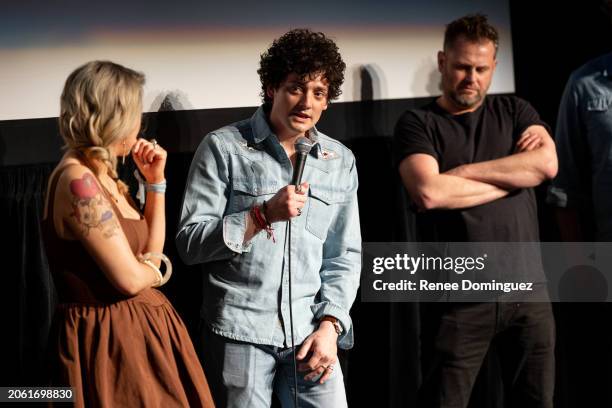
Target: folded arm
<point x="429" y="189"/>
<point x="534" y="162"/>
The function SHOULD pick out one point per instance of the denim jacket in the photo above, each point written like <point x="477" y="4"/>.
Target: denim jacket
<point x="246" y="284"/>
<point x="584" y="148"/>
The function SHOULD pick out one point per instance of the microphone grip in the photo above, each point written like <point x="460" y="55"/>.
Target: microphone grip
<point x="298" y="170"/>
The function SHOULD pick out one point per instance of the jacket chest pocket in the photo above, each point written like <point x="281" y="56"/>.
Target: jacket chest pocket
<point x="250" y="191"/>
<point x="599" y="123"/>
<point x="599" y="103"/>
<point x="322" y="205"/>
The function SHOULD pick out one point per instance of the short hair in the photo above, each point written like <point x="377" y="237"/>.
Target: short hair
<point x="306" y="54"/>
<point x="474" y="27"/>
<point x="100" y="104"/>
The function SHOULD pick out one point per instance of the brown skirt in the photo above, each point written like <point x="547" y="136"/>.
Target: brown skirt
<point x="135" y="352"/>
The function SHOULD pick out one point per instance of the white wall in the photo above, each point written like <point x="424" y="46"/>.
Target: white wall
<point x="201" y="65"/>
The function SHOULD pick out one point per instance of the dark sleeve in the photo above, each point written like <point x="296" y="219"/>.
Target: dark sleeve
<point x="570" y="187"/>
<point x="411" y="137"/>
<point x="525" y="116"/>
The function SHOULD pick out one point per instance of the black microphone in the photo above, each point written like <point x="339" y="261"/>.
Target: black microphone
<point x="302" y="148"/>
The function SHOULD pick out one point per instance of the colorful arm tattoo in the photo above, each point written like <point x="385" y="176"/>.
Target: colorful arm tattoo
<point x="90" y="208"/>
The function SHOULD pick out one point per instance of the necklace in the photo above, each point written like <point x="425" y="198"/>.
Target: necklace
<point x="109" y="192"/>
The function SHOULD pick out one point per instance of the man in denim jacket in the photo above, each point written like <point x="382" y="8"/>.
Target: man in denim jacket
<point x="581" y="190"/>
<point x="583" y="197"/>
<point x="237" y="204"/>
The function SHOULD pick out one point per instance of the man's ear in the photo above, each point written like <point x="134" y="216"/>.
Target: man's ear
<point x="441" y="60"/>
<point x="270" y="91"/>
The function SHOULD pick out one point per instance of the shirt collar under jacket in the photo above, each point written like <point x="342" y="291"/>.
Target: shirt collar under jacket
<point x="262" y="130"/>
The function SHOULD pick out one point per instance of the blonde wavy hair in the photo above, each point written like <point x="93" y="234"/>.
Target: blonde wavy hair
<point x="100" y="104"/>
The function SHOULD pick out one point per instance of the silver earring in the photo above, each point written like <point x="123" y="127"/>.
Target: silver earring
<point x="124" y="153"/>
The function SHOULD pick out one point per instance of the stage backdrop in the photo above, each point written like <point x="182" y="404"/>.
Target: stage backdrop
<point x="204" y="55"/>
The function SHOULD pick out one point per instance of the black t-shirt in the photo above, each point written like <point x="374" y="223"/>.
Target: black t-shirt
<point x="490" y="132"/>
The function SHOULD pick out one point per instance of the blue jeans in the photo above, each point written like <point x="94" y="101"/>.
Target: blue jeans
<point x="244" y="374"/>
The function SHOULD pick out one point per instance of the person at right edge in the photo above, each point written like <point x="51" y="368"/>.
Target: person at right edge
<point x="469" y="163"/>
<point x="582" y="196"/>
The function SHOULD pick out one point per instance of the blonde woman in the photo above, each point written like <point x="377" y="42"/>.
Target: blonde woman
<point x="116" y="339"/>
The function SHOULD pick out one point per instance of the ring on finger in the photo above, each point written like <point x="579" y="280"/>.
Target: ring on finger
<point x="154" y="142"/>
<point x="299" y="211"/>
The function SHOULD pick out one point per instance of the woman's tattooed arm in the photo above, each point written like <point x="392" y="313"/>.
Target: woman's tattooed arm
<point x="91" y="208"/>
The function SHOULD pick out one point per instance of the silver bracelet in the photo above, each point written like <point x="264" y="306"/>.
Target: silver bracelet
<point x="156" y="187"/>
<point x="160" y="277"/>
<point x="146" y="259"/>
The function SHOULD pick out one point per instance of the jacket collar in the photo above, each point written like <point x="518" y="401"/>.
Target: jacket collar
<point x="262" y="131"/>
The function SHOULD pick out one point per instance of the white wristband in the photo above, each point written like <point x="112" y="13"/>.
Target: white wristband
<point x="156" y="187"/>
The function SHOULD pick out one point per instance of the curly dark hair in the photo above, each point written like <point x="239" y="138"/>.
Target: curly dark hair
<point x="474" y="27"/>
<point x="304" y="53"/>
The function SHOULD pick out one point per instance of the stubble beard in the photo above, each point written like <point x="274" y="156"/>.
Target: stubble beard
<point x="466" y="102"/>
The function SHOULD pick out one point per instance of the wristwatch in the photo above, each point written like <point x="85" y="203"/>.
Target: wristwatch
<point x="333" y="321"/>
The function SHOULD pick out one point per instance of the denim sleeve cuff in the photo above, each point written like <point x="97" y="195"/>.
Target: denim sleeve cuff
<point x="345" y="340"/>
<point x="556" y="196"/>
<point x="234" y="227"/>
<point x="561" y="197"/>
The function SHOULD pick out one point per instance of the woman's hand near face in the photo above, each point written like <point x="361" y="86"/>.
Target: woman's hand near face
<point x="150" y="158"/>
